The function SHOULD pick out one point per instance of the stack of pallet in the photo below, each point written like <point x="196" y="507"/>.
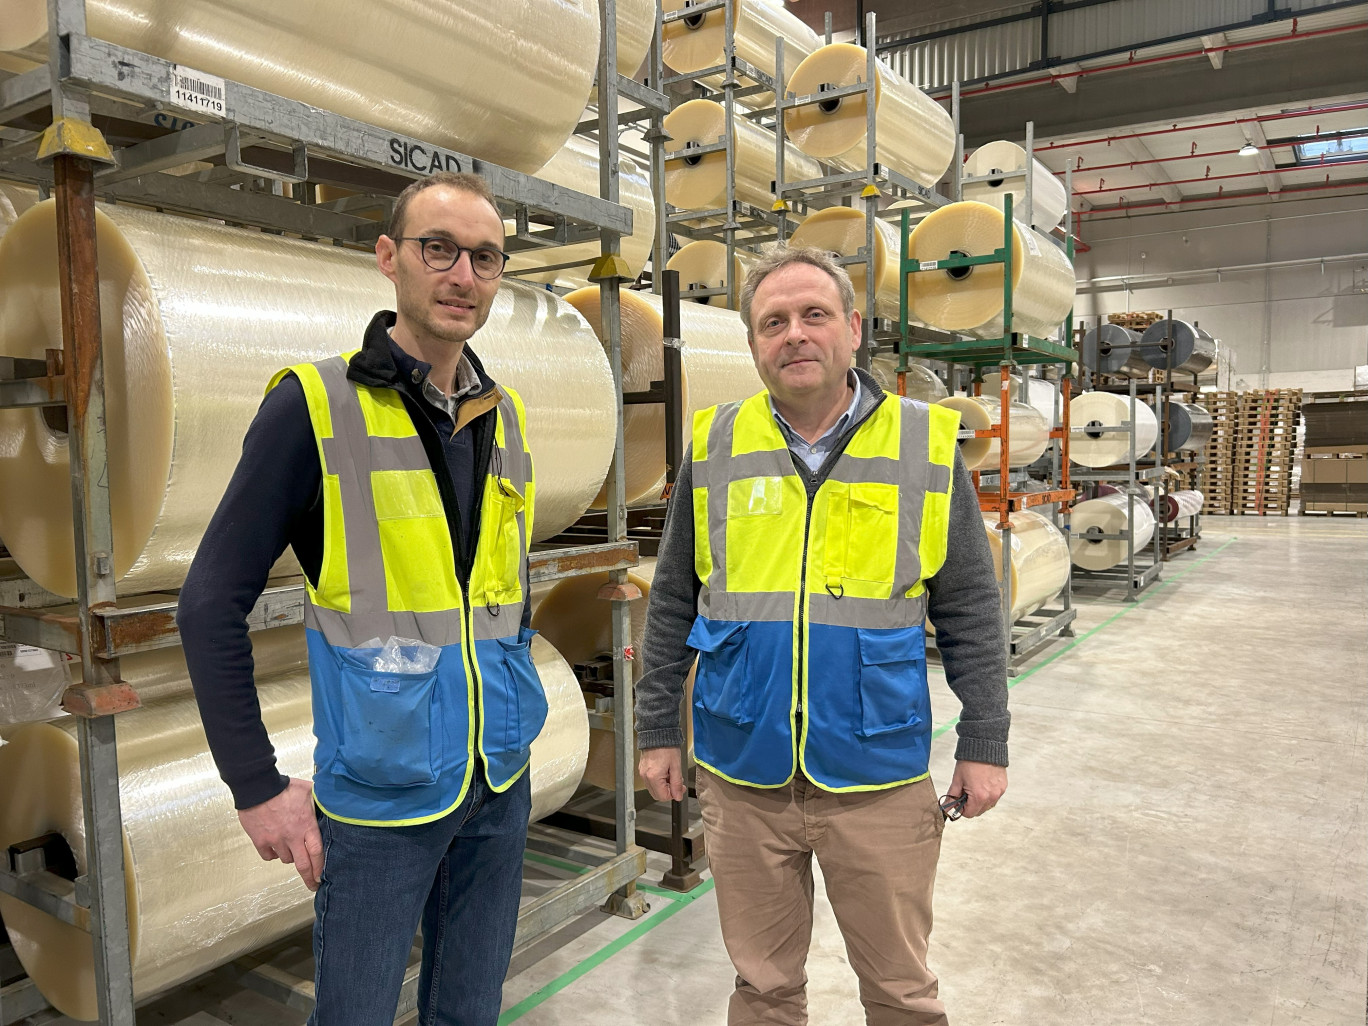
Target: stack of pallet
<point x="1216" y="477"/>
<point x="1335" y="467"/>
<point x="1265" y="446"/>
<point x="1136" y="320"/>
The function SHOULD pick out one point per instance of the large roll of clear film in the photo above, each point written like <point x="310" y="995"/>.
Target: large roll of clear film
<point x="970" y="299"/>
<point x="196" y="318"/>
<point x="842" y="230"/>
<point x="1039" y="558"/>
<point x="697" y="42"/>
<point x="1113" y="349"/>
<point x="1091" y="411"/>
<point x="918" y="383"/>
<point x="505" y="82"/>
<point x="913" y="133"/>
<point x="1109" y="515"/>
<point x="703" y="265"/>
<point x="1027" y="427"/>
<point x="1189" y="427"/>
<point x="699" y="182"/>
<point x="1048" y="199"/>
<point x="1175" y="505"/>
<point x="1179" y="345"/>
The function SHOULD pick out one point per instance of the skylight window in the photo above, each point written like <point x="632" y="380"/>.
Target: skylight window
<point x="1331" y="150"/>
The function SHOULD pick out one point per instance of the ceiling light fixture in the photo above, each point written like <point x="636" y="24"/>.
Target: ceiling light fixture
<point x="1249" y="150"/>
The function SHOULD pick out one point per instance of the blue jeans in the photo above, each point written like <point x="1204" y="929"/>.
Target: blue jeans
<point x="461" y="876"/>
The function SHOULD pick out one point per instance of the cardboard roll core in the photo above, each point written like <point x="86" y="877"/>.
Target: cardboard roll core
<point x="1028" y="429"/>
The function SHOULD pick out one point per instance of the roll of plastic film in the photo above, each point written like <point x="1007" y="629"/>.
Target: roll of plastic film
<point x="1092" y="447"/>
<point x="576" y="167"/>
<point x="1171" y="507"/>
<point x="697" y="42"/>
<point x="699" y="182"/>
<point x="703" y="265"/>
<point x="561" y="749"/>
<point x="919" y="382"/>
<point x="1029" y="431"/>
<point x="913" y="133"/>
<point x="1040" y="392"/>
<point x="1040" y="559"/>
<point x="970" y="299"/>
<point x="717" y="368"/>
<point x="505" y="82"/>
<point x="841" y="230"/>
<point x="635" y="27"/>
<point x="1177" y="344"/>
<point x="1108" y="515"/>
<point x="1047" y="191"/>
<point x="14" y="200"/>
<point x="1189" y="427"/>
<point x="196" y="318"/>
<point x="1112" y="349"/>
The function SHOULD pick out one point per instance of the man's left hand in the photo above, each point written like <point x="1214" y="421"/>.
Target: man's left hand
<point x="983" y="782"/>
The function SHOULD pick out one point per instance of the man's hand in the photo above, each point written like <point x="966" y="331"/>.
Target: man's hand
<point x="663" y="771"/>
<point x="285" y="828"/>
<point x="982" y="781"/>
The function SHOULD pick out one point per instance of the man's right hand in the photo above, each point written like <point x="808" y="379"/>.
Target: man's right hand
<point x="663" y="771"/>
<point x="285" y="828"/>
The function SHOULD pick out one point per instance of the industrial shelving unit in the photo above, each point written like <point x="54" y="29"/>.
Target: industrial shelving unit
<point x="263" y="143"/>
<point x="1011" y="350"/>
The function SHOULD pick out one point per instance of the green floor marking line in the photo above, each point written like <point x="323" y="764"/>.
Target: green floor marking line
<point x="538" y="997"/>
<point x="551" y="860"/>
<point x="1140" y="599"/>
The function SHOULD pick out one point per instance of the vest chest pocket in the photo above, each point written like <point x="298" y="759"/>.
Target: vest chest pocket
<point x="505" y="503"/>
<point x="722" y="687"/>
<point x="862" y="544"/>
<point x="892" y="674"/>
<point x="387" y="737"/>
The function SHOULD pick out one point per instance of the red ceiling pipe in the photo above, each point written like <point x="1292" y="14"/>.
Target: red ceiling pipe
<point x="1220" y="178"/>
<point x="1109" y="139"/>
<point x="1215" y="153"/>
<point x="1292" y="36"/>
<point x="1361" y="183"/>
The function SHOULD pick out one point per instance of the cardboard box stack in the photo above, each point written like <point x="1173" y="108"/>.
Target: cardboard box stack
<point x="1265" y="444"/>
<point x="1335" y="460"/>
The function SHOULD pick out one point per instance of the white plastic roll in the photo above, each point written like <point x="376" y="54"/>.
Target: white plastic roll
<point x="561" y="749"/>
<point x="576" y="167"/>
<point x="703" y="265"/>
<point x="1029" y="431"/>
<point x="635" y="27"/>
<point x="505" y="82"/>
<point x="697" y="42"/>
<point x="841" y="230"/>
<point x="717" y="368"/>
<point x="969" y="299"/>
<point x="700" y="182"/>
<point x="1040" y="392"/>
<point x="919" y="382"/>
<point x="1177" y="505"/>
<point x="1047" y="191"/>
<point x="1109" y="514"/>
<point x="913" y="133"/>
<point x="1040" y="559"/>
<point x="196" y="319"/>
<point x="1092" y="410"/>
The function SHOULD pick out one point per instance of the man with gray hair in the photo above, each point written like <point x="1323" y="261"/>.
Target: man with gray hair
<point x="812" y="530"/>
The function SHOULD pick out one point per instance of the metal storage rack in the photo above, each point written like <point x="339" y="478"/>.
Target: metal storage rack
<point x="1011" y="350"/>
<point x="252" y="137"/>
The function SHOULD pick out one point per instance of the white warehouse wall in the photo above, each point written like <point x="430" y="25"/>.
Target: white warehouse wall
<point x="1287" y="327"/>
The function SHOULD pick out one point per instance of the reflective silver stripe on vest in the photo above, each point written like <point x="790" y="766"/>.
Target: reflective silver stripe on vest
<point x="777" y="606"/>
<point x="353" y="630"/>
<point x="863" y="612"/>
<point x="912" y="474"/>
<point x="514" y="463"/>
<point x="397" y="453"/>
<point x="719" y="456"/>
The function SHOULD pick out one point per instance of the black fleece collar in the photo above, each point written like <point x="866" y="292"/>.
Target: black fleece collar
<point x="374" y="364"/>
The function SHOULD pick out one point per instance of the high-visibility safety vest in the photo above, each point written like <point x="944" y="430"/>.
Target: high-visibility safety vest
<point x="814" y="614"/>
<point x="395" y="749"/>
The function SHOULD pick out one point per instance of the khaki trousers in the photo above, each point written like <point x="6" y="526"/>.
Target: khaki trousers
<point x="878" y="852"/>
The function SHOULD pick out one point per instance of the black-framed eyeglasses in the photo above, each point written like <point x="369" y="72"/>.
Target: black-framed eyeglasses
<point x="952" y="806"/>
<point x="441" y="254"/>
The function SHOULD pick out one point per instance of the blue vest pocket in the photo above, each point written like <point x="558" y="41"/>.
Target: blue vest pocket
<point x="387" y="735"/>
<point x="892" y="672"/>
<point x="722" y="687"/>
<point x="527" y="706"/>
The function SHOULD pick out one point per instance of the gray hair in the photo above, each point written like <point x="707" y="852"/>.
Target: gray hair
<point x="781" y="256"/>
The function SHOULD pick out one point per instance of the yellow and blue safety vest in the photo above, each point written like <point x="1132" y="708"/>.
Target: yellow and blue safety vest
<point x="813" y="613"/>
<point x="396" y="749"/>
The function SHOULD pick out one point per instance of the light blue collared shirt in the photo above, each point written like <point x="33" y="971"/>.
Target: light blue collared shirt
<point x="813" y="453"/>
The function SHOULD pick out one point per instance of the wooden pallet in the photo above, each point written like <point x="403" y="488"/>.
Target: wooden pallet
<point x="1136" y="320"/>
<point x="1343" y="509"/>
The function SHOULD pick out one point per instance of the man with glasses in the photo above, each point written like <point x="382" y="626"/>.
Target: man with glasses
<point x="400" y="477"/>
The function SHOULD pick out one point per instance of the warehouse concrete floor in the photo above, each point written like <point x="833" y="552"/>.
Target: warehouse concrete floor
<point x="1183" y="840"/>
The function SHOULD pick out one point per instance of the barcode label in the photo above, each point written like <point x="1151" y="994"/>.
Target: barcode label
<point x="927" y="265"/>
<point x="196" y="90"/>
<point x="1031" y="243"/>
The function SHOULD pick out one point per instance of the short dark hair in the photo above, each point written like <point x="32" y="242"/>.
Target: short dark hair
<point x="462" y="182"/>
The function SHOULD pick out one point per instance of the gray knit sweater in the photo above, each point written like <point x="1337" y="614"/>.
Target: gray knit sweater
<point x="962" y="601"/>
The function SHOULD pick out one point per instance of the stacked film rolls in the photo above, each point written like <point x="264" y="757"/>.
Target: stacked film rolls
<point x="501" y="82"/>
<point x="1176" y="505"/>
<point x="913" y="134"/>
<point x="1116" y="515"/>
<point x="703" y="265"/>
<point x="697" y="42"/>
<point x="970" y="299"/>
<point x="717" y="368"/>
<point x="1039" y="558"/>
<point x="1113" y="349"/>
<point x="192" y="314"/>
<point x="841" y="230"/>
<point x="699" y="181"/>
<point x="1179" y="345"/>
<point x="1028" y="429"/>
<point x="918" y="383"/>
<point x="1188" y="426"/>
<point x="1092" y="412"/>
<point x="1048" y="199"/>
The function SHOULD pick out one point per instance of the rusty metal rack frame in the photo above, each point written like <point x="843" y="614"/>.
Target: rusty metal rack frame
<point x="262" y="142"/>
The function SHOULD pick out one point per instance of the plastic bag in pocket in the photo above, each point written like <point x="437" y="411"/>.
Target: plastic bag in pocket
<point x="387" y="733"/>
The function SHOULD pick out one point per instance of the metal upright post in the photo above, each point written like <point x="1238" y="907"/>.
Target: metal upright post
<point x="1131" y="484"/>
<point x="655" y="76"/>
<point x="780" y="94"/>
<point x="871" y="197"/>
<point x="729" y="115"/>
<point x="1028" y="211"/>
<point x="610" y="272"/>
<point x="957" y="176"/>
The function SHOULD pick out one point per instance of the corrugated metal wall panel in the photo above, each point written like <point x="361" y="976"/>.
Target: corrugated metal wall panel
<point x="998" y="50"/>
<point x="1128" y="22"/>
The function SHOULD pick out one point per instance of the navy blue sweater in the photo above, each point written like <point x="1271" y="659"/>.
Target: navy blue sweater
<point x="274" y="500"/>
